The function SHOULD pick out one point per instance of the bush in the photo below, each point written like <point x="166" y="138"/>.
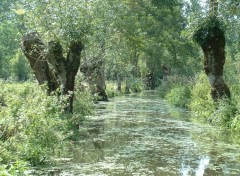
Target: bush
<point x="20" y="67"/>
<point x="32" y="129"/>
<point x="201" y="101"/>
<point x="224" y="113"/>
<point x="179" y="96"/>
<point x="111" y="89"/>
<point x="172" y="82"/>
<point x="83" y="105"/>
<point x="33" y="126"/>
<point x="136" y="84"/>
<point x="16" y="168"/>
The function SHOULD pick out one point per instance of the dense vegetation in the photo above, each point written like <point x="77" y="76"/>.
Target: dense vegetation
<point x="142" y="44"/>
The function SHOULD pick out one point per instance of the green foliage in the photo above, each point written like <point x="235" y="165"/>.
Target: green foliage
<point x="232" y="109"/>
<point x="179" y="96"/>
<point x="235" y="124"/>
<point x="209" y="28"/>
<point x="15" y="168"/>
<point x="31" y="123"/>
<point x="172" y="82"/>
<point x="111" y="89"/>
<point x="33" y="126"/>
<point x="224" y="114"/>
<point x="83" y="105"/>
<point x="201" y="101"/>
<point x="20" y="67"/>
<point x="136" y="84"/>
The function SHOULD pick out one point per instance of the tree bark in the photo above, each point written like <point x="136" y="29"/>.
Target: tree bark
<point x="58" y="72"/>
<point x="127" y="87"/>
<point x="65" y="69"/>
<point x="211" y="38"/>
<point x="100" y="82"/>
<point x="214" y="60"/>
<point x="33" y="48"/>
<point x="94" y="71"/>
<point x="119" y="83"/>
<point x="214" y="7"/>
<point x="213" y="46"/>
<point x="150" y="80"/>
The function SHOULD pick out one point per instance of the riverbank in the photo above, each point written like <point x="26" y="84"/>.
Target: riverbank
<point x="193" y="93"/>
<point x="141" y="134"/>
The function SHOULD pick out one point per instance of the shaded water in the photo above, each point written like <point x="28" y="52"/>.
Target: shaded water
<point x="143" y="135"/>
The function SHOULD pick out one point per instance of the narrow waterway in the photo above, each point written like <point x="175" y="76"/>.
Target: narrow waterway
<point x="143" y="135"/>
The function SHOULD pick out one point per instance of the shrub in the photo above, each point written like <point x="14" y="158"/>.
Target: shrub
<point x="33" y="126"/>
<point x="16" y="168"/>
<point x="31" y="121"/>
<point x="224" y="113"/>
<point x="136" y="84"/>
<point x="201" y="101"/>
<point x="111" y="89"/>
<point x="83" y="106"/>
<point x="179" y="96"/>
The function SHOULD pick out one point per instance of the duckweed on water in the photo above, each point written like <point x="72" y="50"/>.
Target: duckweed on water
<point x="139" y="136"/>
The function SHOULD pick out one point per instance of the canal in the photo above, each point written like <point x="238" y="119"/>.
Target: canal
<point x="142" y="135"/>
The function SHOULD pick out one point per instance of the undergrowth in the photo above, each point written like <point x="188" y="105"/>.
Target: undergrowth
<point x="194" y="94"/>
<point x="33" y="126"/>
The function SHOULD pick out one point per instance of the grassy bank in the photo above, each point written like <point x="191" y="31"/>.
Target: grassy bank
<point x="33" y="127"/>
<point x="193" y="93"/>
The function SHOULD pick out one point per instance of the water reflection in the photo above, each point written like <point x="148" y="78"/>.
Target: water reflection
<point x="143" y="135"/>
<point x="199" y="171"/>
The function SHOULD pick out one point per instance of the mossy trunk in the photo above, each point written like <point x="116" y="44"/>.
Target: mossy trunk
<point x="214" y="60"/>
<point x="63" y="70"/>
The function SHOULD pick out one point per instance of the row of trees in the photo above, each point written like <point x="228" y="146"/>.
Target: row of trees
<point x="123" y="39"/>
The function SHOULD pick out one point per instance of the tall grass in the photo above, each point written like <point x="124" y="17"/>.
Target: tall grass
<point x="33" y="126"/>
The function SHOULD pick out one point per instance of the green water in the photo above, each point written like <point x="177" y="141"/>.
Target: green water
<point x="143" y="135"/>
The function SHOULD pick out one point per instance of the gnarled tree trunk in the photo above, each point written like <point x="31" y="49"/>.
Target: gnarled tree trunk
<point x="33" y="48"/>
<point x="212" y="41"/>
<point x="214" y="60"/>
<point x="94" y="72"/>
<point x="63" y="70"/>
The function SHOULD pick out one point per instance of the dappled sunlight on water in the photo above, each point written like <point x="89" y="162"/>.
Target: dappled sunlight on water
<point x="143" y="135"/>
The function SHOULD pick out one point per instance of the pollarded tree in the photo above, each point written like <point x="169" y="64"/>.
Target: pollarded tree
<point x="210" y="36"/>
<point x="51" y="67"/>
<point x="53" y="42"/>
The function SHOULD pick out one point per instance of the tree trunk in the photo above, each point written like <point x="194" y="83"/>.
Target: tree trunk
<point x="214" y="60"/>
<point x="211" y="38"/>
<point x="94" y="71"/>
<point x="213" y="47"/>
<point x="135" y="69"/>
<point x="150" y="80"/>
<point x="127" y="88"/>
<point x="213" y="7"/>
<point x="100" y="83"/>
<point x="72" y="66"/>
<point x="63" y="70"/>
<point x="33" y="48"/>
<point x="119" y="83"/>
